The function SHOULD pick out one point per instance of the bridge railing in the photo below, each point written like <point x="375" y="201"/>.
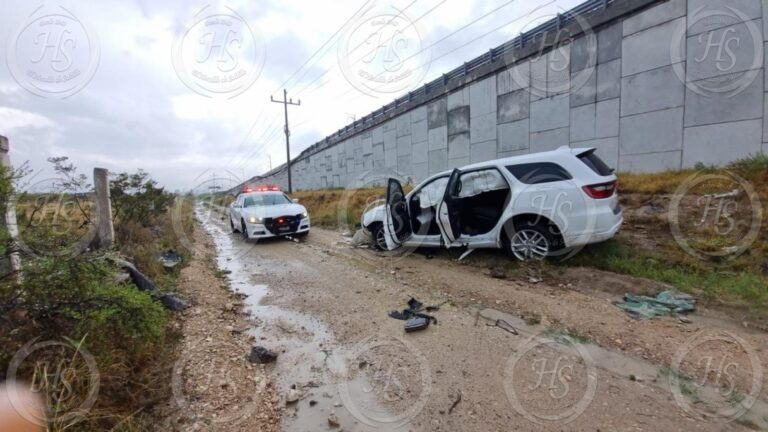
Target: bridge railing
<point x="583" y="10"/>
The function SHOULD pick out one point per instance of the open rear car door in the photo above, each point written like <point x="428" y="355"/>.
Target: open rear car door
<point x="397" y="228"/>
<point x="449" y="214"/>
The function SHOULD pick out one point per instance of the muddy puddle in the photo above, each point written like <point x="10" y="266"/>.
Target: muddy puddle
<point x="311" y="372"/>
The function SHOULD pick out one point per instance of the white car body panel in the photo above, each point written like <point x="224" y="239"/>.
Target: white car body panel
<point x="262" y="213"/>
<point x="581" y="219"/>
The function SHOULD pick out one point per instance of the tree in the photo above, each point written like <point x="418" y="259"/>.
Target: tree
<point x="137" y="198"/>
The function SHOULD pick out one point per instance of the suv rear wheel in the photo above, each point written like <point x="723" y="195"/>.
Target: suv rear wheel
<point x="532" y="242"/>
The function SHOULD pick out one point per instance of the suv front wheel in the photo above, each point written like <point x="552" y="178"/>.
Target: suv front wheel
<point x="534" y="242"/>
<point x="378" y="241"/>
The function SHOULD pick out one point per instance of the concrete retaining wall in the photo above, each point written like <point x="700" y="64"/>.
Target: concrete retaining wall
<point x="679" y="83"/>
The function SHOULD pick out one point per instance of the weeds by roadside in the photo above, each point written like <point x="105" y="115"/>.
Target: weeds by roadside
<point x="82" y="297"/>
<point x="645" y="247"/>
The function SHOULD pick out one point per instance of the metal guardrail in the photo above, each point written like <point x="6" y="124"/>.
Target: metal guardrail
<point x="583" y="10"/>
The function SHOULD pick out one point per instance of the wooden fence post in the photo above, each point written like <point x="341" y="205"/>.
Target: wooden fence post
<point x="8" y="222"/>
<point x="105" y="232"/>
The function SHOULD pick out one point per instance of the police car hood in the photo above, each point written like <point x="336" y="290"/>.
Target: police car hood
<point x="271" y="211"/>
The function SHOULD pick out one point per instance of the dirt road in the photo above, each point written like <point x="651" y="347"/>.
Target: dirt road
<point x="214" y="387"/>
<point x="576" y="362"/>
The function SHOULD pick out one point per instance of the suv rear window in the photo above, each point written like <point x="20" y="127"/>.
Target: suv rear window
<point x="539" y="172"/>
<point x="594" y="162"/>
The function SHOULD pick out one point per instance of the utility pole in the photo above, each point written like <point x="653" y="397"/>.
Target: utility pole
<point x="285" y="103"/>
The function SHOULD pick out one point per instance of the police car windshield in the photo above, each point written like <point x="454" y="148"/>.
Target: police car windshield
<point x="265" y="200"/>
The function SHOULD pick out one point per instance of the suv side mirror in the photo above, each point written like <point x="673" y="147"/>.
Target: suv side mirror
<point x="295" y="200"/>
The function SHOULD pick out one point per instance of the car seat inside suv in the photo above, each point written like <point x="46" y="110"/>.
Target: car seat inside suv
<point x="483" y="196"/>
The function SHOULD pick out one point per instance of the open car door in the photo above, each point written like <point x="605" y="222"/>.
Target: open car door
<point x="397" y="228"/>
<point x="449" y="215"/>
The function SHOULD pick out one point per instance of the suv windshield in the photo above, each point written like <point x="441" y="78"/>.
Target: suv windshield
<point x="265" y="200"/>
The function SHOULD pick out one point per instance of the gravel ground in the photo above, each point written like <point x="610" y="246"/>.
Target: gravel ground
<point x="323" y="305"/>
<point x="215" y="388"/>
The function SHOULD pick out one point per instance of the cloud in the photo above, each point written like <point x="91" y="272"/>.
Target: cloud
<point x="137" y="113"/>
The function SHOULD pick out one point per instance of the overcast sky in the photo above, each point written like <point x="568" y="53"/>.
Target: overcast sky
<point x="134" y="84"/>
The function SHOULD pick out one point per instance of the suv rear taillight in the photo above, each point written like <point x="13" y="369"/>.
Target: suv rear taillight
<point x="602" y="190"/>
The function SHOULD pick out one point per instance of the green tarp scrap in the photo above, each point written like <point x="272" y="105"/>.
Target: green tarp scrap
<point x="663" y="304"/>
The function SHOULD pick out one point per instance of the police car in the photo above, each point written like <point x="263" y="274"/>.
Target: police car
<point x="265" y="212"/>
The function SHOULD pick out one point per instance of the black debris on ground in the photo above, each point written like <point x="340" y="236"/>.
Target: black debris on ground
<point x="261" y="355"/>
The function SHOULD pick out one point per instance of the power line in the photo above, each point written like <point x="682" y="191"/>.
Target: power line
<point x="371" y="51"/>
<point x="304" y="64"/>
<point x="344" y="94"/>
<point x="274" y="129"/>
<point x="354" y="15"/>
<point x="285" y="103"/>
<point x="468" y="42"/>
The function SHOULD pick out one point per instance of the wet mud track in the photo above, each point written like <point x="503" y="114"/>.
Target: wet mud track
<point x="323" y="307"/>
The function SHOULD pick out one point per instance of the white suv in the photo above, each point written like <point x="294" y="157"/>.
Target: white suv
<point x="534" y="205"/>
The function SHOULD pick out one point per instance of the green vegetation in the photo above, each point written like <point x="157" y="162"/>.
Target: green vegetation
<point x="706" y="280"/>
<point x="685" y="382"/>
<point x="78" y="296"/>
<point x="740" y="281"/>
<point x="564" y="336"/>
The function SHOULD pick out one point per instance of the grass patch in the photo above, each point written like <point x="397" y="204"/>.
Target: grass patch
<point x="80" y="298"/>
<point x="338" y="208"/>
<point x="709" y="281"/>
<point x="753" y="168"/>
<point x="564" y="337"/>
<point x="686" y="382"/>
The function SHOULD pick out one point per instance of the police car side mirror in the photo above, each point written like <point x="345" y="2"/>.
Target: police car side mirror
<point x="295" y="200"/>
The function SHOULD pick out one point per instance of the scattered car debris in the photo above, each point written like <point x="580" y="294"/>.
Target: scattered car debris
<point x="456" y="402"/>
<point x="413" y="307"/>
<point x="333" y="421"/>
<point x="172" y="302"/>
<point x="360" y="239"/>
<point x="415" y="319"/>
<point x="142" y="282"/>
<point x="418" y="322"/>
<point x="507" y="327"/>
<point x="292" y="397"/>
<point x="170" y="258"/>
<point x="261" y="355"/>
<point x="732" y="194"/>
<point x="663" y="304"/>
<point x="497" y="273"/>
